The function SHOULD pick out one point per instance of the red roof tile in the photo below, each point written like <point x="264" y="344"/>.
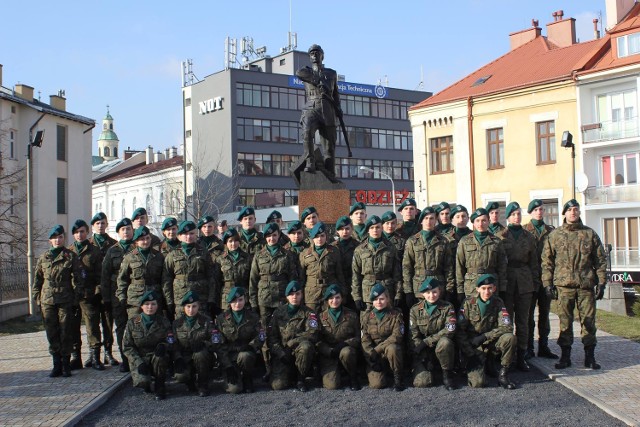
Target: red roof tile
<point x="142" y="169"/>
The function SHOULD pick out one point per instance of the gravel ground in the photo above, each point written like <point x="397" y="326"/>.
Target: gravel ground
<point x="537" y="401"/>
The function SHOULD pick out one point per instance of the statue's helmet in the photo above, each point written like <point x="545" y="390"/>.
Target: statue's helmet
<point x="316" y="48"/>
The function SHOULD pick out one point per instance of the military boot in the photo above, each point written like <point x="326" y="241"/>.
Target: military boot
<point x="529" y="354"/>
<point x="521" y="363"/>
<point x="503" y="378"/>
<point x="76" y="360"/>
<point x="590" y="358"/>
<point x="96" y="363"/>
<point x="66" y="366"/>
<point x="57" y="366"/>
<point x="544" y="350"/>
<point x="124" y="366"/>
<point x="354" y="383"/>
<point x="447" y="379"/>
<point x="490" y="366"/>
<point x="565" y="358"/>
<point x="160" y="389"/>
<point x="398" y="383"/>
<point x="247" y="383"/>
<point x="301" y="384"/>
<point x="89" y="362"/>
<point x="108" y="356"/>
<point x="330" y="167"/>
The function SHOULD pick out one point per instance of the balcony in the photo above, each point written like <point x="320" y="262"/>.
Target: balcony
<point x="625" y="258"/>
<point x="610" y="130"/>
<point x="612" y="194"/>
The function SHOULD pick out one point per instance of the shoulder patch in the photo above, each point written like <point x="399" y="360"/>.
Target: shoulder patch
<point x="506" y="320"/>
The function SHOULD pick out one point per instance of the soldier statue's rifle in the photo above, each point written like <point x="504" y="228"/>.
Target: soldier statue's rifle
<point x="337" y="108"/>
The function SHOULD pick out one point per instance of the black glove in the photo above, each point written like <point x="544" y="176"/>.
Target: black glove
<point x="552" y="292"/>
<point x="375" y="357"/>
<point x="179" y="365"/>
<point x="171" y="312"/>
<point x="361" y="305"/>
<point x="431" y="341"/>
<point x="161" y="350"/>
<point x="144" y="369"/>
<point x="378" y="366"/>
<point x="410" y="300"/>
<point x="214" y="310"/>
<point x="232" y="375"/>
<point x="476" y="341"/>
<point x="461" y="298"/>
<point x="247" y="348"/>
<point x="197" y="346"/>
<point x="600" y="291"/>
<point x="335" y="351"/>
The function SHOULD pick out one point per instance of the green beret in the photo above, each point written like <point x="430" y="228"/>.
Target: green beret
<point x="273" y="216"/>
<point x="535" y="203"/>
<point x="186" y="226"/>
<point x="511" y="207"/>
<point x="307" y="211"/>
<point x="246" y="211"/>
<point x="486" y="279"/>
<point x="426" y="211"/>
<point x="148" y="296"/>
<point x="371" y="221"/>
<point x="293" y="286"/>
<point x="138" y="212"/>
<point x="343" y="221"/>
<point x="429" y="284"/>
<point x="377" y="290"/>
<point x="189" y="298"/>
<point x="456" y="209"/>
<point x="140" y="232"/>
<point x="331" y="291"/>
<point x="388" y="216"/>
<point x="270" y="228"/>
<point x="56" y="231"/>
<point x="319" y="228"/>
<point x="235" y="292"/>
<point x="478" y="212"/>
<point x="168" y="222"/>
<point x="124" y="222"/>
<point x="492" y="206"/>
<point x="571" y="203"/>
<point x="98" y="217"/>
<point x="357" y="206"/>
<point x="408" y="202"/>
<point x="442" y="206"/>
<point x="294" y="226"/>
<point x="79" y="223"/>
<point x="232" y="232"/>
<point x="204" y="220"/>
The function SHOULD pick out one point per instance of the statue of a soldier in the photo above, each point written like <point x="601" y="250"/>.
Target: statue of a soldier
<point x="320" y="111"/>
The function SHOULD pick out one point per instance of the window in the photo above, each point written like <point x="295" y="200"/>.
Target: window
<point x="441" y="150"/>
<point x="621" y="169"/>
<point x="123" y="210"/>
<point x="62" y="196"/>
<point x="115" y="151"/>
<point x="11" y="201"/>
<point x="61" y="141"/>
<point x="113" y="209"/>
<point x="104" y="126"/>
<point x="617" y="114"/>
<point x="12" y="144"/>
<point x="176" y="202"/>
<point x="628" y="45"/>
<point x="551" y="214"/>
<point x="622" y="234"/>
<point x="172" y="205"/>
<point x="106" y="152"/>
<point x="134" y="204"/>
<point x="187" y="134"/>
<point x="187" y="102"/>
<point x="161" y="204"/>
<point x="148" y="206"/>
<point x="495" y="148"/>
<point x="13" y="109"/>
<point x="247" y="196"/>
<point x="546" y="142"/>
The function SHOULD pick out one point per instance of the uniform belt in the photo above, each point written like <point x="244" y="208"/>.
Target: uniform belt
<point x="430" y="273"/>
<point x="481" y="270"/>
<point x="272" y="277"/>
<point x="186" y="276"/>
<point x="317" y="281"/>
<point x="374" y="277"/>
<point x="517" y="264"/>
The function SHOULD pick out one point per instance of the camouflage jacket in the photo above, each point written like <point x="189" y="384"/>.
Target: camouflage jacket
<point x="110" y="269"/>
<point x="269" y="277"/>
<point x="441" y="323"/>
<point x="194" y="272"/>
<point x="320" y="271"/>
<point x="287" y="332"/>
<point x="165" y="247"/>
<point x="137" y="275"/>
<point x="474" y="259"/>
<point x="215" y="247"/>
<point x="139" y="342"/>
<point x="523" y="268"/>
<point x="346" y="258"/>
<point x="249" y="332"/>
<point x="108" y="242"/>
<point x="408" y="228"/>
<point x="254" y="245"/>
<point x="495" y="323"/>
<point x="541" y="238"/>
<point x="377" y="335"/>
<point x="346" y="330"/>
<point x="91" y="259"/>
<point x="371" y="266"/>
<point x="422" y="260"/>
<point x="201" y="334"/>
<point x="58" y="280"/>
<point x="230" y="272"/>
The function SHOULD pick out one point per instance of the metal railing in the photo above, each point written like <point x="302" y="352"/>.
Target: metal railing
<point x="610" y="130"/>
<point x="13" y="281"/>
<point x="612" y="194"/>
<point x="625" y="258"/>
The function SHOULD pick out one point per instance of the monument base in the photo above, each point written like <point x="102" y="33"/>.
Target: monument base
<point x="331" y="204"/>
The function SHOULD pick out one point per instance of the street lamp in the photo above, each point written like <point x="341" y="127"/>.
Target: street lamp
<point x="34" y="141"/>
<point x="567" y="142"/>
<point x="393" y="187"/>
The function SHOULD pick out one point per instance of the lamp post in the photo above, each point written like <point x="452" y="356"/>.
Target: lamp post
<point x="567" y="142"/>
<point x="34" y="141"/>
<point x="393" y="186"/>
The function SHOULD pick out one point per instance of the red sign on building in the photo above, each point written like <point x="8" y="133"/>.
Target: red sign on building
<point x="380" y="197"/>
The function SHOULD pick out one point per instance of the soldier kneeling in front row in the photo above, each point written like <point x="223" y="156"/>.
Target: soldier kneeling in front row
<point x="485" y="332"/>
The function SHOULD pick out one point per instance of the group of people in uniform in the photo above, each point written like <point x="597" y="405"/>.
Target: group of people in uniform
<point x="429" y="297"/>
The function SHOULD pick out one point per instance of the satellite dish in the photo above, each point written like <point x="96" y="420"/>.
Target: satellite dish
<point x="582" y="182"/>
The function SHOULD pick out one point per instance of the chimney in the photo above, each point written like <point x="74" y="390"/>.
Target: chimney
<point x="519" y="38"/>
<point x="561" y="32"/>
<point x="58" y="102"/>
<point x="0" y="75"/>
<point x="596" y="32"/>
<point x="167" y="153"/>
<point x="157" y="157"/>
<point x="616" y="10"/>
<point x="24" y="91"/>
<point x="149" y="155"/>
<point x="173" y="151"/>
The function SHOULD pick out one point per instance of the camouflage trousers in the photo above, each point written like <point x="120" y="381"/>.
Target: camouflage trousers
<point x="246" y="361"/>
<point x="330" y="367"/>
<point x="158" y="369"/>
<point x="282" y="372"/>
<point x="504" y="346"/>
<point x="198" y="367"/>
<point x="393" y="355"/>
<point x="57" y="324"/>
<point x="518" y="306"/>
<point x="568" y="298"/>
<point x="425" y="362"/>
<point x="544" y="327"/>
<point x="90" y="313"/>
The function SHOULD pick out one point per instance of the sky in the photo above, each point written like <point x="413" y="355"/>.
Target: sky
<point x="127" y="54"/>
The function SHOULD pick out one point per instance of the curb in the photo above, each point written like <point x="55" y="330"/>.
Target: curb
<point x="97" y="402"/>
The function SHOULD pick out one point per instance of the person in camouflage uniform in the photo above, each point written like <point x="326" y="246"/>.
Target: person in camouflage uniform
<point x="382" y="340"/>
<point x="309" y="218"/>
<point x="297" y="242"/>
<point x="148" y="342"/>
<point x="103" y="242"/>
<point x="251" y="240"/>
<point x="358" y="216"/>
<point x="494" y="218"/>
<point x="196" y="335"/>
<point x="321" y="266"/>
<point x="242" y="339"/>
<point x="57" y="286"/>
<point x="443" y="211"/>
<point x="190" y="268"/>
<point x="109" y="282"/>
<point x="90" y="301"/>
<point x="427" y="254"/>
<point x="540" y="231"/>
<point x="574" y="272"/>
<point x="233" y="266"/>
<point x="140" y="271"/>
<point x="170" y="233"/>
<point x="523" y="276"/>
<point x="140" y="218"/>
<point x="339" y="341"/>
<point x="484" y="332"/>
<point x="276" y="217"/>
<point x="208" y="238"/>
<point x="409" y="226"/>
<point x="375" y="261"/>
<point x="479" y="253"/>
<point x="347" y="245"/>
<point x="433" y="327"/>
<point x="389" y="226"/>
<point x="292" y="336"/>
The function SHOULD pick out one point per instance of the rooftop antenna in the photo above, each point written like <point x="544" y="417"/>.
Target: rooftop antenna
<point x="386" y="80"/>
<point x="230" y="52"/>
<point x="292" y="37"/>
<point x="421" y="84"/>
<point x="187" y="73"/>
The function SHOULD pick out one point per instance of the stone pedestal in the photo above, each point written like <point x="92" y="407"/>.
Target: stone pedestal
<point x="613" y="300"/>
<point x="331" y="204"/>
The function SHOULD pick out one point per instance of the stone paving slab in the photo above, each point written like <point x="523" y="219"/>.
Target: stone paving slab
<point x="615" y="388"/>
<point x="28" y="397"/>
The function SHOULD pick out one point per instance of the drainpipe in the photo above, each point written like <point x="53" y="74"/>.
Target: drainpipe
<point x="472" y="165"/>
